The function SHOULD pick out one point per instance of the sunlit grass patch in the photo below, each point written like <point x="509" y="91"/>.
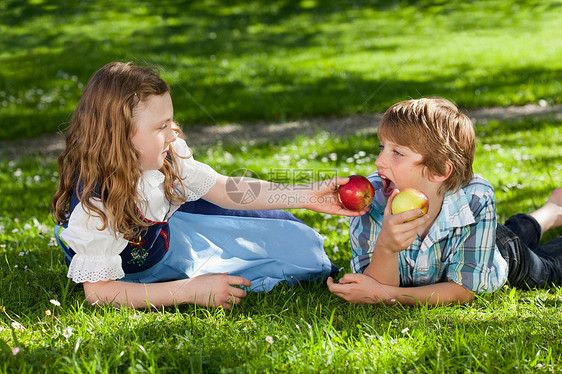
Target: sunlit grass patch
<point x="298" y="329"/>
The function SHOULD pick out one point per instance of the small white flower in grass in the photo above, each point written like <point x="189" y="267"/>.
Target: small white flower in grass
<point x="15" y="350"/>
<point x="269" y="339"/>
<point x="21" y="254"/>
<point x="67" y="333"/>
<point x="54" y="302"/>
<point x="405" y="330"/>
<point x="17" y="326"/>
<point x="48" y="312"/>
<point x="27" y="226"/>
<point x="15" y="231"/>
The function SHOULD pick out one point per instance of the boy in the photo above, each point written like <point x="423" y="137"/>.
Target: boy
<point x="456" y="249"/>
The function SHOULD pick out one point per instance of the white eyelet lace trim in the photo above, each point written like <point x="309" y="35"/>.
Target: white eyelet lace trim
<point x="94" y="269"/>
<point x="201" y="188"/>
<point x="82" y="276"/>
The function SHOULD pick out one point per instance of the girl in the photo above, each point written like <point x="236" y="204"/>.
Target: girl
<point x="128" y="234"/>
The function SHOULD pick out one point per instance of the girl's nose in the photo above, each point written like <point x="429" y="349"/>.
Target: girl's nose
<point x="172" y="136"/>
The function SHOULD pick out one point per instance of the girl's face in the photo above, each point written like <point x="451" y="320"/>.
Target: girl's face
<point x="398" y="167"/>
<point x="152" y="130"/>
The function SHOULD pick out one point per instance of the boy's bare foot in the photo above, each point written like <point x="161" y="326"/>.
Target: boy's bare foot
<point x="550" y="214"/>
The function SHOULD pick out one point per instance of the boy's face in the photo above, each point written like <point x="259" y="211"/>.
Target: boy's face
<point x="398" y="166"/>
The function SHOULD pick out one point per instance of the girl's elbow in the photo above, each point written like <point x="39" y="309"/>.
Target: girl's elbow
<point x="92" y="292"/>
<point x="92" y="298"/>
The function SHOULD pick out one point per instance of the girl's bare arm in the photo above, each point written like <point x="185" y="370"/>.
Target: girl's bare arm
<point x="206" y="290"/>
<point x="319" y="196"/>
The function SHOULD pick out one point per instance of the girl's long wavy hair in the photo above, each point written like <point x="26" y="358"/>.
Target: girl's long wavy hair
<point x="99" y="161"/>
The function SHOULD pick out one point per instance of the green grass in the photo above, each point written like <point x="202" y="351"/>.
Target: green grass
<point x="244" y="61"/>
<point x="295" y="329"/>
<point x="276" y="60"/>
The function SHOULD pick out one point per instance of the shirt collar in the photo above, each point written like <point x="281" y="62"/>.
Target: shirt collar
<point x="456" y="210"/>
<point x="153" y="178"/>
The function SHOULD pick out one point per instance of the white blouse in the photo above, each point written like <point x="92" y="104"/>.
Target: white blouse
<point x="97" y="251"/>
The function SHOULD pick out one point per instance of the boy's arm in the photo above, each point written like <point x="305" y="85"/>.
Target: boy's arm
<point x="362" y="289"/>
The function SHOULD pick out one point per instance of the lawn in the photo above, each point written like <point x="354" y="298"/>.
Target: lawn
<point x="254" y="60"/>
<point x="296" y="329"/>
<point x="246" y="61"/>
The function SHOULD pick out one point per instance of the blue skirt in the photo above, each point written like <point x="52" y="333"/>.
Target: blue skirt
<point x="266" y="247"/>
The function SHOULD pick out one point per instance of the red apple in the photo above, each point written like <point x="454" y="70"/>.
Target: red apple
<point x="356" y="194"/>
<point x="408" y="199"/>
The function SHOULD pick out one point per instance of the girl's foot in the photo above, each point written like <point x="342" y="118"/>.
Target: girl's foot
<point x="550" y="214"/>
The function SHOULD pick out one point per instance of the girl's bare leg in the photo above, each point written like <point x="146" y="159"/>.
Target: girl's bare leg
<point x="550" y="214"/>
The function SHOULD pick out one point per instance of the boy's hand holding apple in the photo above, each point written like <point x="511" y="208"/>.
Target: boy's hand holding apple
<point x="409" y="199"/>
<point x="400" y="228"/>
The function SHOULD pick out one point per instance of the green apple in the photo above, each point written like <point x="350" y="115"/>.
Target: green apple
<point x="409" y="199"/>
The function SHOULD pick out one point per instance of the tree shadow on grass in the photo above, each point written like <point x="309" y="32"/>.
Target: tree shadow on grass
<point x="184" y="41"/>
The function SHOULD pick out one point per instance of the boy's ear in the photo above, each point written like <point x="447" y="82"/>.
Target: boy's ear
<point x="438" y="178"/>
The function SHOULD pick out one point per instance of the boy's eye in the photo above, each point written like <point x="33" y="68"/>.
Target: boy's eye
<point x="381" y="147"/>
<point x="397" y="153"/>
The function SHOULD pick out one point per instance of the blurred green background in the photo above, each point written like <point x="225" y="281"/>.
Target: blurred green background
<point x="242" y="61"/>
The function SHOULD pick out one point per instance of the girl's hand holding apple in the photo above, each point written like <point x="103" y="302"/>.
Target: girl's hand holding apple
<point x="324" y="198"/>
<point x="357" y="194"/>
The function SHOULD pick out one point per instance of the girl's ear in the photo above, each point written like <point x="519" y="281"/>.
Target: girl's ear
<point x="438" y="178"/>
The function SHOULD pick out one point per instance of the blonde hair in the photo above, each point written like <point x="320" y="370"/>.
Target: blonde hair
<point x="436" y="129"/>
<point x="99" y="161"/>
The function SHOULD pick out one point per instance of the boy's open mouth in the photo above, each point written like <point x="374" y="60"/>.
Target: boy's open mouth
<point x="387" y="186"/>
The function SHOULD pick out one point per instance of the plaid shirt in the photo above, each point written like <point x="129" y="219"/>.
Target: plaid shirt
<point x="459" y="247"/>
